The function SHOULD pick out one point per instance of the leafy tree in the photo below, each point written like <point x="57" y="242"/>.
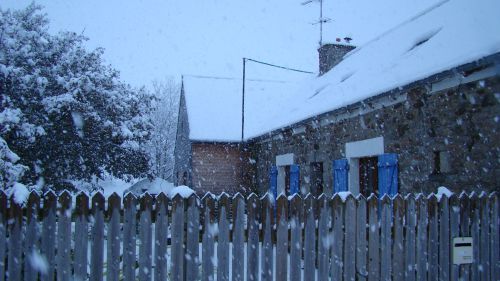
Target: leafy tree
<point x="74" y="118"/>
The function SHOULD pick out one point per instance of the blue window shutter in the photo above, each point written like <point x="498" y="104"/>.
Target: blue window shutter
<point x="294" y="179"/>
<point x="388" y="174"/>
<point x="273" y="181"/>
<point x="340" y="175"/>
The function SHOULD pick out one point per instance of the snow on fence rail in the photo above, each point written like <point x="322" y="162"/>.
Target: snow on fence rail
<point x="197" y="239"/>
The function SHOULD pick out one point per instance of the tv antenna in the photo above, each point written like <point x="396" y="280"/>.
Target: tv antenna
<point x="321" y="19"/>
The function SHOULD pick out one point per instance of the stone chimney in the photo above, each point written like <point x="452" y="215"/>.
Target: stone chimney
<point x="331" y="54"/>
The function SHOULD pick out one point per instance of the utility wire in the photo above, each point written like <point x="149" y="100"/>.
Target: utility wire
<point x="234" y="78"/>
<point x="278" y="66"/>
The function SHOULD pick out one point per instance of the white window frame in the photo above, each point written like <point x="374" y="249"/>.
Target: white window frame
<point x="359" y="149"/>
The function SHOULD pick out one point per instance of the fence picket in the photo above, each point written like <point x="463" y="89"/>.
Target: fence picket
<point x="193" y="238"/>
<point x="410" y="237"/>
<point x="474" y="231"/>
<point x="97" y="249"/>
<point x="81" y="236"/>
<point x="464" y="231"/>
<point x="3" y="233"/>
<point x="324" y="238"/>
<point x="113" y="238"/>
<point x="385" y="239"/>
<point x="49" y="235"/>
<point x="484" y="258"/>
<point x="432" y="240"/>
<point x="31" y="236"/>
<point x="309" y="238"/>
<point x="129" y="236"/>
<point x="253" y="205"/>
<point x="296" y="220"/>
<point x="361" y="241"/>
<point x="145" y="240"/>
<point x="398" y="257"/>
<point x="373" y="240"/>
<point x="238" y="253"/>
<point x="161" y="237"/>
<point x="267" y="203"/>
<point x="177" y="250"/>
<point x="282" y="239"/>
<point x="350" y="239"/>
<point x="63" y="257"/>
<point x="495" y="237"/>
<point x="444" y="239"/>
<point x="223" y="239"/>
<point x="15" y="240"/>
<point x="209" y="231"/>
<point x="338" y="237"/>
<point x="422" y="237"/>
<point x="454" y="232"/>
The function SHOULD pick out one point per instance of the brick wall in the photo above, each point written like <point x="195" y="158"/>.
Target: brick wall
<point x="218" y="167"/>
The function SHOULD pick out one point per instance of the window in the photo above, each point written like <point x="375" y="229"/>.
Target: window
<point x="441" y="162"/>
<point x="368" y="175"/>
<point x="316" y="178"/>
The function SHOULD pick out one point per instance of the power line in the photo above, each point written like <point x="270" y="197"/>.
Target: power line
<point x="234" y="78"/>
<point x="279" y="66"/>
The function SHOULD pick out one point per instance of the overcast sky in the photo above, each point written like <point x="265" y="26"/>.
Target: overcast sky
<point x="148" y="40"/>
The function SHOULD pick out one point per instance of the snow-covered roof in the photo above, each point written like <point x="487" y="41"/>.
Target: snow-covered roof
<point x="447" y="35"/>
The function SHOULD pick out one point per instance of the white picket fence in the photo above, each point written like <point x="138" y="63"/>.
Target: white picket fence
<point x="235" y="238"/>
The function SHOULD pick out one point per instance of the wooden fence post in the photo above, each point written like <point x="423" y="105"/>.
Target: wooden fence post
<point x="210" y="229"/>
<point x="129" y="236"/>
<point x="410" y="237"/>
<point x="475" y="217"/>
<point x="63" y="257"/>
<point x="398" y="254"/>
<point x="267" y="203"/>
<point x="81" y="236"/>
<point x="465" y="231"/>
<point x="113" y="238"/>
<point x="193" y="238"/>
<point x="361" y="241"/>
<point x="433" y="238"/>
<point x="177" y="263"/>
<point x="309" y="237"/>
<point x="338" y="237"/>
<point x="422" y="237"/>
<point x="145" y="239"/>
<point x="495" y="236"/>
<point x="253" y="208"/>
<point x="31" y="236"/>
<point x="373" y="239"/>
<point x="282" y="239"/>
<point x="349" y="261"/>
<point x="385" y="239"/>
<point x="238" y="253"/>
<point x="484" y="257"/>
<point x="97" y="249"/>
<point x="15" y="240"/>
<point x="223" y="239"/>
<point x="161" y="237"/>
<point x="49" y="234"/>
<point x="454" y="211"/>
<point x="296" y="220"/>
<point x="444" y="238"/>
<point x="325" y="238"/>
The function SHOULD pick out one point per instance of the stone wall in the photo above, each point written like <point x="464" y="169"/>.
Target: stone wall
<point x="460" y="126"/>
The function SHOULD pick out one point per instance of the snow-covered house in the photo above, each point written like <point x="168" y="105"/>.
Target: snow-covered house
<point x="411" y="110"/>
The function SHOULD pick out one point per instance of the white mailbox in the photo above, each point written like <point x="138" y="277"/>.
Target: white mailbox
<point x="462" y="250"/>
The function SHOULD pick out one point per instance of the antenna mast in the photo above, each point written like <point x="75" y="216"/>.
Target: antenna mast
<point x="321" y="19"/>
